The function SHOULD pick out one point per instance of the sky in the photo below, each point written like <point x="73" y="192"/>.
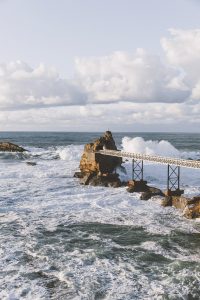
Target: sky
<point x="93" y="65"/>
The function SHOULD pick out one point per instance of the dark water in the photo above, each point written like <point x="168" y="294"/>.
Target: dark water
<point x="182" y="141"/>
<point x="60" y="240"/>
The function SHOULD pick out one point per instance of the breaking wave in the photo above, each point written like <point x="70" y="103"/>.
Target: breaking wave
<point x="139" y="145"/>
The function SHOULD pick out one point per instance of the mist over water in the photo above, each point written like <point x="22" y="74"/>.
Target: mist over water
<point x="60" y="240"/>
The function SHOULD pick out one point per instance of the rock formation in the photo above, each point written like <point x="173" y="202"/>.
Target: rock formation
<point x="10" y="147"/>
<point x="97" y="169"/>
<point x="189" y="206"/>
<point x="141" y="187"/>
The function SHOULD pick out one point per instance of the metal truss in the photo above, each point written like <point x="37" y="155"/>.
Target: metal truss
<point x="173" y="178"/>
<point x="137" y="170"/>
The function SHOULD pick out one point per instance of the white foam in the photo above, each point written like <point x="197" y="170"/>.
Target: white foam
<point x="139" y="145"/>
<point x="44" y="198"/>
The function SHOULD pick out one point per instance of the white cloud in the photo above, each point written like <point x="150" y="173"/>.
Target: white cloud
<point x="137" y="77"/>
<point x="114" y="91"/>
<point x="182" y="50"/>
<point x="22" y="87"/>
<point x="99" y="117"/>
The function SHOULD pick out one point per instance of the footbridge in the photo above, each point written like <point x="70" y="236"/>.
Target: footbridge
<point x="173" y="167"/>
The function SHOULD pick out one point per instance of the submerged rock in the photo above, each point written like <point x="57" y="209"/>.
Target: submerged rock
<point x="10" y="147"/>
<point x="31" y="163"/>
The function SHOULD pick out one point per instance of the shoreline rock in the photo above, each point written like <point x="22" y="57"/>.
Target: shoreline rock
<point x="189" y="206"/>
<point x="10" y="147"/>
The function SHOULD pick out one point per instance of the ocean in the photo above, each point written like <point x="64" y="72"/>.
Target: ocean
<point x="61" y="240"/>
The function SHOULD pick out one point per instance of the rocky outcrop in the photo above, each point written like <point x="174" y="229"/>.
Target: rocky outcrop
<point x="10" y="147"/>
<point x="97" y="169"/>
<point x="189" y="206"/>
<point x="141" y="187"/>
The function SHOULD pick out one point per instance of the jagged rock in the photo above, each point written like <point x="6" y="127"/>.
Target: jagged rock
<point x="97" y="169"/>
<point x="111" y="180"/>
<point x="10" y="147"/>
<point x="190" y="207"/>
<point x="137" y="186"/>
<point x="151" y="192"/>
<point x="145" y="196"/>
<point x="155" y="191"/>
<point x="166" y="201"/>
<point x="31" y="163"/>
<point x="92" y="162"/>
<point x="86" y="178"/>
<point x="78" y="175"/>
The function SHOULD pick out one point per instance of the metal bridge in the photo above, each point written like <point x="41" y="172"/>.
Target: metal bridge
<point x="173" y="166"/>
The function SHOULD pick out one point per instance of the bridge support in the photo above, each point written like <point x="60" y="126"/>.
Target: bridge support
<point x="173" y="181"/>
<point x="137" y="171"/>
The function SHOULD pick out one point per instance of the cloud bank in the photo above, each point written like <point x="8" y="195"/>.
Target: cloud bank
<point x="119" y="88"/>
<point x="22" y="87"/>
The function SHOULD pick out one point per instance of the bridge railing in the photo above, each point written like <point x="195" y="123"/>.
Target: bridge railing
<point x="194" y="164"/>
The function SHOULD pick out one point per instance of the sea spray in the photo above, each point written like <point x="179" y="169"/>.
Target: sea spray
<point x="139" y="145"/>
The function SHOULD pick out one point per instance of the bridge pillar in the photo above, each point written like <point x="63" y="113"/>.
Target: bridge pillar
<point x="137" y="170"/>
<point x="173" y="181"/>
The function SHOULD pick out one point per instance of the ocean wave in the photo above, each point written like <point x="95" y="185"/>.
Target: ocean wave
<point x="150" y="147"/>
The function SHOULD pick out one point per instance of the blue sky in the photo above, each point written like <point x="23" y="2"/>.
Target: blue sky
<point x="102" y="62"/>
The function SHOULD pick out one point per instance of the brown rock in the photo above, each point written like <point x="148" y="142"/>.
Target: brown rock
<point x="137" y="186"/>
<point x="145" y="196"/>
<point x="151" y="192"/>
<point x="190" y="207"/>
<point x="86" y="178"/>
<point x="78" y="175"/>
<point x="97" y="163"/>
<point x="155" y="191"/>
<point x="10" y="147"/>
<point x="111" y="180"/>
<point x="166" y="201"/>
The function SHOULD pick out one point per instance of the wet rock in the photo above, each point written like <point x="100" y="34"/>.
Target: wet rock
<point x="31" y="163"/>
<point x="190" y="207"/>
<point x="111" y="180"/>
<point x="151" y="192"/>
<point x="155" y="191"/>
<point x="85" y="180"/>
<point x="137" y="186"/>
<point x="166" y="201"/>
<point x="78" y="175"/>
<point x="145" y="196"/>
<point x="10" y="147"/>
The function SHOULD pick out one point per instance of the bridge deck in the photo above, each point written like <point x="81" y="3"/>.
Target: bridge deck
<point x="195" y="164"/>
